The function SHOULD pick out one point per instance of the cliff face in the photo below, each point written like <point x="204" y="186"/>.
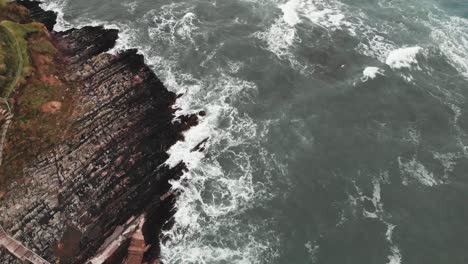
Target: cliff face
<point x="47" y="18"/>
<point x="109" y="167"/>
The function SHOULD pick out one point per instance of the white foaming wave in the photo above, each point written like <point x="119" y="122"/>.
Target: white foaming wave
<point x="170" y="25"/>
<point x="376" y="201"/>
<point x="290" y="15"/>
<point x="187" y="25"/>
<point x="374" y="45"/>
<point x="403" y="57"/>
<point x="448" y="161"/>
<point x="231" y="192"/>
<point x="126" y="35"/>
<point x="57" y="6"/>
<point x="234" y="66"/>
<point x="371" y="73"/>
<point x="327" y="14"/>
<point x="451" y="34"/>
<point x="127" y="40"/>
<point x="198" y="217"/>
<point x="414" y="170"/>
<point x="131" y="6"/>
<point x="227" y="89"/>
<point x="201" y="252"/>
<point x="395" y="257"/>
<point x="313" y="250"/>
<point x="279" y="38"/>
<point x="324" y="14"/>
<point x="335" y="15"/>
<point x="332" y="15"/>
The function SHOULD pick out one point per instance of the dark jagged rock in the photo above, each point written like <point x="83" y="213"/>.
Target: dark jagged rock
<point x="86" y="42"/>
<point x="48" y="18"/>
<point x="112" y="166"/>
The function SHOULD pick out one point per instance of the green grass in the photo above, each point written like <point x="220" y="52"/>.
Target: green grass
<point x="44" y="47"/>
<point x="8" y="58"/>
<point x="3" y="55"/>
<point x="27" y="70"/>
<point x="38" y="93"/>
<point x="13" y="12"/>
<point x="15" y="37"/>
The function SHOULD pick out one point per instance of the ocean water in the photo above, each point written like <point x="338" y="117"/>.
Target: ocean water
<point x="337" y="129"/>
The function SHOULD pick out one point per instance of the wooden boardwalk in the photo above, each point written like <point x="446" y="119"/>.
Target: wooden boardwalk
<point x="18" y="250"/>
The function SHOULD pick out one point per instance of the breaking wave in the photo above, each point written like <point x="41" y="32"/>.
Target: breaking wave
<point x="214" y="222"/>
<point x="403" y="58"/>
<point x="378" y="213"/>
<point x="451" y="34"/>
<point x="222" y="186"/>
<point x="370" y="73"/>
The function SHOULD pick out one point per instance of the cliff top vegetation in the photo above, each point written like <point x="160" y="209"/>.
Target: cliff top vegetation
<point x="38" y="100"/>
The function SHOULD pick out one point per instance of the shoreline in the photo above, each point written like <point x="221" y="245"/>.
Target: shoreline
<point x="109" y="168"/>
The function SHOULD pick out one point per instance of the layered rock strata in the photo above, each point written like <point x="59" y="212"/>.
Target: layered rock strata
<point x="110" y="167"/>
<point x="48" y="18"/>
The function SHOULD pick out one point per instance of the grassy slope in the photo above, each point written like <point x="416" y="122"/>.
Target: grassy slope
<point x="15" y="36"/>
<point x="30" y="77"/>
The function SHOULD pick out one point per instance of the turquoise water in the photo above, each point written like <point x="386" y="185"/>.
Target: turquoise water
<point x="337" y="129"/>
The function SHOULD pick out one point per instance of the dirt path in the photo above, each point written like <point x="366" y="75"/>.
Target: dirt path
<point x="4" y="129"/>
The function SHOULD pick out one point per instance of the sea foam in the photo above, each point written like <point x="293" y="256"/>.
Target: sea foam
<point x="213" y="199"/>
<point x="290" y="14"/>
<point x="370" y="73"/>
<point x="378" y="212"/>
<point x="57" y="6"/>
<point x="416" y="171"/>
<point x="403" y="57"/>
<point x="451" y="34"/>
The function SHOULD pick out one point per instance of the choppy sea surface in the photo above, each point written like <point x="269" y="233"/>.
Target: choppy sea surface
<point x="337" y="128"/>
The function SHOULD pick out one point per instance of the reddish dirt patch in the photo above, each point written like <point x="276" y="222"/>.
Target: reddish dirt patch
<point x="41" y="59"/>
<point x="69" y="245"/>
<point x="42" y="104"/>
<point x="41" y="62"/>
<point x="52" y="80"/>
<point x="51" y="107"/>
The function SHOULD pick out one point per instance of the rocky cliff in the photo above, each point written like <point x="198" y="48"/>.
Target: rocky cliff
<point x="109" y="165"/>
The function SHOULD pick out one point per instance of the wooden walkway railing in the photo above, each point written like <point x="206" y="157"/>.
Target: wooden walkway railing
<point x="18" y="250"/>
